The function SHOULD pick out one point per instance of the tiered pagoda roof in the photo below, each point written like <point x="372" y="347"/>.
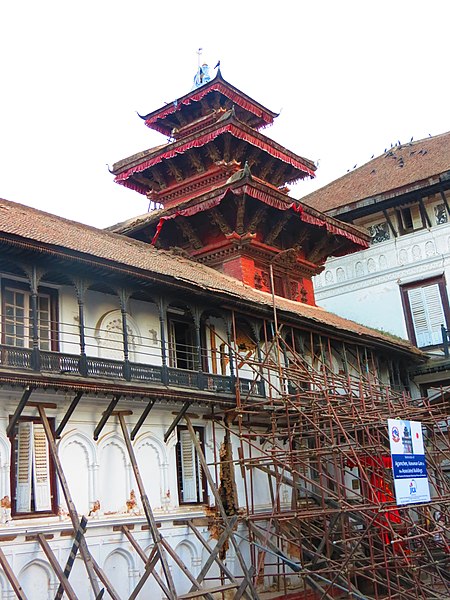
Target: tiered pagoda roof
<point x="221" y="186"/>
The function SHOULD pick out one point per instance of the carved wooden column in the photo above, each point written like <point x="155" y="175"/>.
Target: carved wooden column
<point x="197" y="316"/>
<point x="124" y="297"/>
<point x="162" y="306"/>
<point x="255" y="326"/>
<point x="34" y="309"/>
<point x="81" y="288"/>
<point x="229" y="327"/>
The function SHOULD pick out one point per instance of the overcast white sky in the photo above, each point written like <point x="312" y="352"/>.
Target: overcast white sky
<point x="351" y="77"/>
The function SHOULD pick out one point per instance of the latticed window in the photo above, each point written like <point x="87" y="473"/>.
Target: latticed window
<point x="33" y="476"/>
<point x="425" y="307"/>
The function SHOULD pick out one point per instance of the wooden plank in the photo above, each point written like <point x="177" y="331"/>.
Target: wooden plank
<point x="200" y="593"/>
<point x="148" y="510"/>
<point x="16" y="416"/>
<point x="68" y="414"/>
<point x="51" y="405"/>
<point x="73" y="553"/>
<point x="177" y="419"/>
<point x="68" y="589"/>
<point x="14" y="582"/>
<point x="106" y="416"/>
<point x="87" y="558"/>
<point x="220" y="506"/>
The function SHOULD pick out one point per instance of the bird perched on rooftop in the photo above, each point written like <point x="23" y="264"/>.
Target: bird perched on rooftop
<point x="412" y="137"/>
<point x="374" y="155"/>
<point x="218" y="64"/>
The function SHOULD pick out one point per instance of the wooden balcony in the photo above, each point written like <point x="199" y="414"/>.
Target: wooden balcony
<point x="24" y="359"/>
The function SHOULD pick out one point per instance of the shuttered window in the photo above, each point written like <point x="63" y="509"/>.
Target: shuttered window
<point x="425" y="308"/>
<point x="34" y="480"/>
<point x="191" y="484"/>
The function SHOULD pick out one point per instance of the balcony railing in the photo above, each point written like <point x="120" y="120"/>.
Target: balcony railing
<point x="66" y="364"/>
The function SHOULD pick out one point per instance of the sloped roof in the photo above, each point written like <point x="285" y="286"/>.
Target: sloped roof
<point x="281" y="200"/>
<point x="125" y="168"/>
<point x="157" y="118"/>
<point x="401" y="169"/>
<point x="32" y="228"/>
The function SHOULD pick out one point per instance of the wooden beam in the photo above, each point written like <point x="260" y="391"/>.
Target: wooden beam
<point x="73" y="553"/>
<point x="389" y="222"/>
<point x="16" y="416"/>
<point x="424" y="212"/>
<point x="141" y="419"/>
<point x="68" y="589"/>
<point x="213" y="590"/>
<point x="177" y="419"/>
<point x="84" y="551"/>
<point x="68" y="414"/>
<point x="148" y="511"/>
<point x="106" y="416"/>
<point x="14" y="582"/>
<point x="444" y="200"/>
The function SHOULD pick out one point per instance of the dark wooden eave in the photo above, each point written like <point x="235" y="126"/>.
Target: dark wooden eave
<point x="161" y="119"/>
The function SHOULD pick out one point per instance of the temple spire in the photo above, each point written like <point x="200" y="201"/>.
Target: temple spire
<point x="202" y="76"/>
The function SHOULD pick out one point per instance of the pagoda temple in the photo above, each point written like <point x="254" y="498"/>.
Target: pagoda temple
<point x="220" y="191"/>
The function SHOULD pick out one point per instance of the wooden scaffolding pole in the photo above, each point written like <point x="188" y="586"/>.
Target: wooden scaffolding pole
<point x="148" y="510"/>
<point x="91" y="566"/>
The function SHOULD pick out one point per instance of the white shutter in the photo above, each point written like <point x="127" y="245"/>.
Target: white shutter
<point x="41" y="469"/>
<point x="188" y="468"/>
<point x="427" y="314"/>
<point x="24" y="462"/>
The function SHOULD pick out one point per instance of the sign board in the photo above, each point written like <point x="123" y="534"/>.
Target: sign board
<point x="408" y="461"/>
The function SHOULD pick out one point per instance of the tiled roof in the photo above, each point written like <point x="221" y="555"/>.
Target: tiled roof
<point x="36" y="227"/>
<point x="400" y="169"/>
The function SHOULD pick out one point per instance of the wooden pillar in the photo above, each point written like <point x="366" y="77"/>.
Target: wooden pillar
<point x="255" y="329"/>
<point x="228" y="324"/>
<point x="124" y="297"/>
<point x="162" y="305"/>
<point x="35" y="352"/>
<point x="80" y="287"/>
<point x="197" y="317"/>
<point x="157" y="539"/>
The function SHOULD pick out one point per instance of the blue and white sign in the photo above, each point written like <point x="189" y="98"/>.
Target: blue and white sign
<point x="408" y="461"/>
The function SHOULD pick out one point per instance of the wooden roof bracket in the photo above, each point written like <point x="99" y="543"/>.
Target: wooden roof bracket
<point x="20" y="407"/>
<point x="68" y="414"/>
<point x="106" y="415"/>
<point x="389" y="222"/>
<point x="177" y="419"/>
<point x="142" y="418"/>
